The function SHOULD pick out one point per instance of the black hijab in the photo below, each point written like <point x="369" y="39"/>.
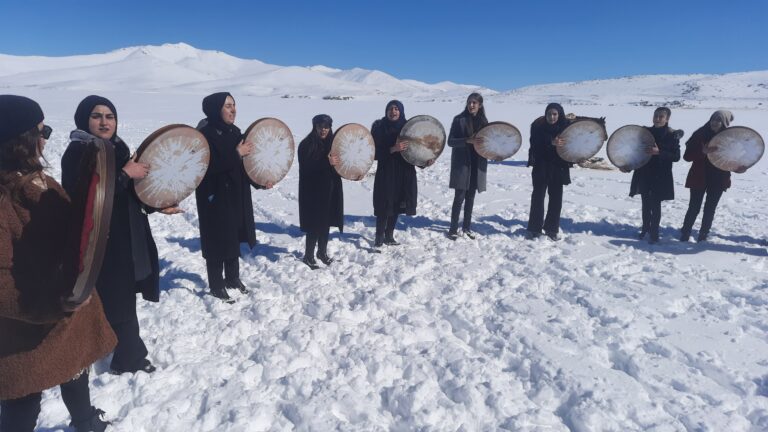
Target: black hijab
<point x="561" y="123"/>
<point x="84" y="110"/>
<point x="212" y="105"/>
<point x="394" y="126"/>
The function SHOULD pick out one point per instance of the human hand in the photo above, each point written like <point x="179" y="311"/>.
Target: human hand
<point x="400" y="146"/>
<point x="136" y="170"/>
<point x="172" y="210"/>
<point x="244" y="148"/>
<point x="334" y="160"/>
<point x="652" y="150"/>
<point x="476" y="141"/>
<point x="269" y="185"/>
<point x="558" y="141"/>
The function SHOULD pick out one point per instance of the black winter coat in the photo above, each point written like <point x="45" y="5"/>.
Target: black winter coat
<point x="224" y="205"/>
<point x="395" y="188"/>
<point x="321" y="196"/>
<point x="542" y="155"/>
<point x="656" y="176"/>
<point x="468" y="168"/>
<point x="130" y="260"/>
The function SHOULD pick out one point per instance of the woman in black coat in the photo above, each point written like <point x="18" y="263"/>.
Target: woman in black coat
<point x="394" y="189"/>
<point x="653" y="181"/>
<point x="321" y="197"/>
<point x="550" y="172"/>
<point x="130" y="261"/>
<point x="468" y="169"/>
<point x="224" y="205"/>
<point x="704" y="179"/>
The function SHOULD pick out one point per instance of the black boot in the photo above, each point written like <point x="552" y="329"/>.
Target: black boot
<point x="93" y="424"/>
<point x="221" y="293"/>
<point x="685" y="235"/>
<point x="237" y="284"/>
<point x="310" y="262"/>
<point x="324" y="258"/>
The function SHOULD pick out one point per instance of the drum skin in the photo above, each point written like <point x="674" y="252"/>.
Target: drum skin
<point x="502" y="141"/>
<point x="628" y="146"/>
<point x="178" y="157"/>
<point x="736" y="147"/>
<point x="273" y="151"/>
<point x="426" y="140"/>
<point x="354" y="146"/>
<point x="583" y="139"/>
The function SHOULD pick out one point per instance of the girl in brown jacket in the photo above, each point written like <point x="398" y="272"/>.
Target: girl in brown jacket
<point x="41" y="344"/>
<point x="703" y="177"/>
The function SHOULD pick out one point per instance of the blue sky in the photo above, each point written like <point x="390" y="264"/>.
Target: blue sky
<point x="499" y="44"/>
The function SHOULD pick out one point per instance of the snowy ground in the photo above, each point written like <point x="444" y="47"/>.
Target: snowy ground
<point x="598" y="331"/>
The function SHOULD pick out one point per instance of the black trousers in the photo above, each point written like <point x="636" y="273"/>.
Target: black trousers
<point x="130" y="350"/>
<point x="466" y="197"/>
<point x="231" y="268"/>
<point x="317" y="238"/>
<point x="651" y="213"/>
<point x="536" y="219"/>
<point x="20" y="415"/>
<point x="694" y="206"/>
<point x="385" y="226"/>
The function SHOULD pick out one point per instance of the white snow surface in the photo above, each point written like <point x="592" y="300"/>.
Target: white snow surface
<point x="596" y="332"/>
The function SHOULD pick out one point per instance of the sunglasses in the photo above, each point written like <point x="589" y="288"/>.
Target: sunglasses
<point x="46" y="132"/>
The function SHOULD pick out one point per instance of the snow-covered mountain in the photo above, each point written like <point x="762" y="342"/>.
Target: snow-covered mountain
<point x="181" y="68"/>
<point x="744" y="90"/>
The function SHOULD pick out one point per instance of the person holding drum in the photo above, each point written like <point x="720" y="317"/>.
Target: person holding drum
<point x="704" y="179"/>
<point x="224" y="204"/>
<point x="550" y="172"/>
<point x="468" y="169"/>
<point x="395" y="190"/>
<point x="653" y="181"/>
<point x="130" y="259"/>
<point x="321" y="196"/>
<point x="43" y="343"/>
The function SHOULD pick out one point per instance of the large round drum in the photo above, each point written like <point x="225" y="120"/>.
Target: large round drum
<point x="273" y="151"/>
<point x="426" y="139"/>
<point x="583" y="139"/>
<point x="354" y="146"/>
<point x="94" y="192"/>
<point x="736" y="148"/>
<point x="628" y="147"/>
<point x="178" y="157"/>
<point x="502" y="141"/>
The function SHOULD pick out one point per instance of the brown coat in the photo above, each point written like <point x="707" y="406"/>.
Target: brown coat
<point x="40" y="345"/>
<point x="702" y="174"/>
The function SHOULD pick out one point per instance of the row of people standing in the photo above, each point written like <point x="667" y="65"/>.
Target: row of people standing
<point x="39" y="334"/>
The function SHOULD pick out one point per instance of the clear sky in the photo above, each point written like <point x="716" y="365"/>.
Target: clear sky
<point x="498" y="44"/>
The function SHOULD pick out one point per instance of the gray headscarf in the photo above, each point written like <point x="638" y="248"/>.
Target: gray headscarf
<point x="725" y="117"/>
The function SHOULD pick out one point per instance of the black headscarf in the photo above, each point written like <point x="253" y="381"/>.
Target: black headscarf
<point x="18" y="114"/>
<point x="562" y="122"/>
<point x="394" y="126"/>
<point x="322" y="119"/>
<point x="84" y="110"/>
<point x="212" y="105"/>
<point x="316" y="144"/>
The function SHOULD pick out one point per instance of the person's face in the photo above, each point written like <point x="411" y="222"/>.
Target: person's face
<point x="393" y="113"/>
<point x="102" y="122"/>
<point x="552" y="116"/>
<point x="229" y="111"/>
<point x="715" y="124"/>
<point x="322" y="130"/>
<point x="473" y="106"/>
<point x="660" y="119"/>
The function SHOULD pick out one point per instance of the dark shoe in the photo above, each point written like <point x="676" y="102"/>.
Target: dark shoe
<point x="702" y="237"/>
<point x="379" y="242"/>
<point x="325" y="259"/>
<point x="237" y="284"/>
<point x="532" y="235"/>
<point x="653" y="240"/>
<point x="311" y="263"/>
<point x="93" y="424"/>
<point x="552" y="235"/>
<point x="453" y="235"/>
<point x="390" y="241"/>
<point x="642" y="234"/>
<point x="147" y="366"/>
<point x="221" y="293"/>
<point x="685" y="235"/>
<point x="471" y="234"/>
<point x="144" y="366"/>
